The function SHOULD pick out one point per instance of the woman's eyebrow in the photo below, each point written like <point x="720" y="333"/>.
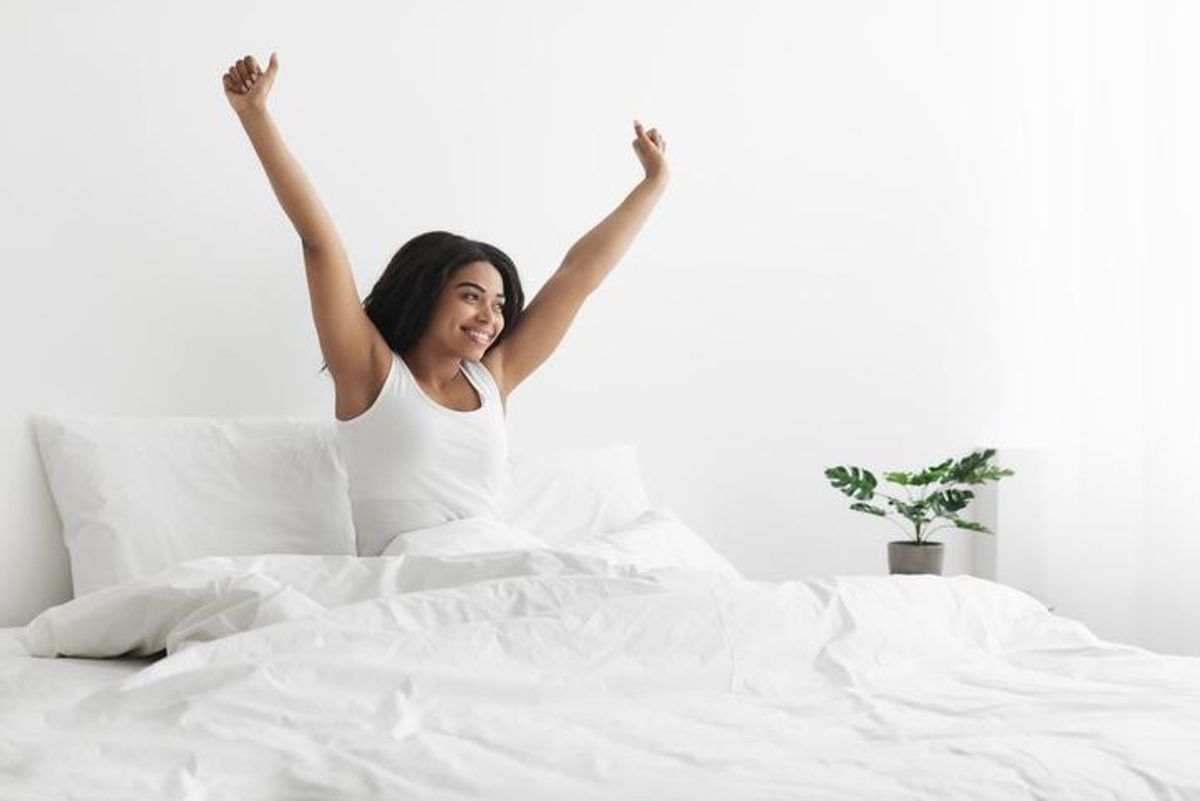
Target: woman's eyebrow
<point x="477" y="286"/>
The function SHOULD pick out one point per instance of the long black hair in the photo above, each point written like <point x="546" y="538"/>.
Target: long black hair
<point x="402" y="300"/>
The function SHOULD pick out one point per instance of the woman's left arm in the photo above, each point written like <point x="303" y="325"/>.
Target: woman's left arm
<point x="595" y="254"/>
<point x="536" y="332"/>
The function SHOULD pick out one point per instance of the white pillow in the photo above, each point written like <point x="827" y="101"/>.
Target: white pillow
<point x="468" y="535"/>
<point x="137" y="495"/>
<point x="657" y="539"/>
<point x="561" y="495"/>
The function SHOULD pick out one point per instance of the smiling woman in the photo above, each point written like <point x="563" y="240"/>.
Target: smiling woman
<point x="419" y="449"/>
<point x="436" y="289"/>
<point x="423" y="367"/>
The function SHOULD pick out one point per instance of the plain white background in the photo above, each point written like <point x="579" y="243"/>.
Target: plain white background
<point x="895" y="232"/>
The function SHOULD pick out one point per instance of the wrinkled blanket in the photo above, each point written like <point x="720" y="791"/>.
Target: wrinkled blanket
<point x="548" y="674"/>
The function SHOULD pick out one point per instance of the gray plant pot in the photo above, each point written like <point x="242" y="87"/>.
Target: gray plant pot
<point x="906" y="556"/>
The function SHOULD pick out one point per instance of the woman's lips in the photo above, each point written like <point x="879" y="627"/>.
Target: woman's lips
<point x="478" y="340"/>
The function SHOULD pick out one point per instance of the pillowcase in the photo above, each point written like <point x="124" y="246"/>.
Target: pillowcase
<point x="656" y="539"/>
<point x="137" y="495"/>
<point x="561" y="495"/>
<point x="468" y="535"/>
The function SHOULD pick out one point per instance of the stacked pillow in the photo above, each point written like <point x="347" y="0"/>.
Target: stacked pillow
<point x="563" y="495"/>
<point x="137" y="495"/>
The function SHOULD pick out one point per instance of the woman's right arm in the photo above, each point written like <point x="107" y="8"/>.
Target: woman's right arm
<point x="291" y="185"/>
<point x="246" y="87"/>
<point x="349" y="340"/>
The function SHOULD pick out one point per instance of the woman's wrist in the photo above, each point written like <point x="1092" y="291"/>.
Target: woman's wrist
<point x="252" y="111"/>
<point x="657" y="180"/>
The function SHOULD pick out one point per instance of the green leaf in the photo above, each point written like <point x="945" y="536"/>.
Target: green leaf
<point x="950" y="500"/>
<point x="969" y="525"/>
<point x="932" y="474"/>
<point x="868" y="508"/>
<point x="915" y="511"/>
<point x="993" y="473"/>
<point x="853" y="481"/>
<point x="903" y="479"/>
<point x="974" y="469"/>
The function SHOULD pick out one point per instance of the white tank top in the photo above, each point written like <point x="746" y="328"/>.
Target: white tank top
<point x="413" y="463"/>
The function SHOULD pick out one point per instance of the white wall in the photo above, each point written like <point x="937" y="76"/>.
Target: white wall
<point x="894" y="232"/>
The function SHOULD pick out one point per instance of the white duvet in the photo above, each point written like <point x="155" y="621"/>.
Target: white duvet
<point x="534" y="673"/>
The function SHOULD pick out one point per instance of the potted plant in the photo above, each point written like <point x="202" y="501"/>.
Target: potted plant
<point x="939" y="498"/>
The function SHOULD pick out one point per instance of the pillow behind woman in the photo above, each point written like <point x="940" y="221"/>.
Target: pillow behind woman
<point x="563" y="495"/>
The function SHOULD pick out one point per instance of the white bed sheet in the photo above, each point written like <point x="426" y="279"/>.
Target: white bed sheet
<point x="547" y="675"/>
<point x="30" y="685"/>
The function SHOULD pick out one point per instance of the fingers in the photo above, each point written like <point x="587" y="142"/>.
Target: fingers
<point x="640" y="134"/>
<point x="652" y="136"/>
<point x="243" y="74"/>
<point x="234" y="79"/>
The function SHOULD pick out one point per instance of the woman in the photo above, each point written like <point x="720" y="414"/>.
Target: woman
<point x="423" y="368"/>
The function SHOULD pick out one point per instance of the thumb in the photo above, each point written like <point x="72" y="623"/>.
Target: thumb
<point x="273" y="65"/>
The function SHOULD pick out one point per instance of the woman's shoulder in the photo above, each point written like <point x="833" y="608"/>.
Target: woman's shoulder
<point x="353" y="399"/>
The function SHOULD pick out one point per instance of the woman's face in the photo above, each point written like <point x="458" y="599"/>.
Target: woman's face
<point x="472" y="302"/>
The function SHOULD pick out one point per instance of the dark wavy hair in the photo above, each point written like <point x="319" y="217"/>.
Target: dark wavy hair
<point x="402" y="300"/>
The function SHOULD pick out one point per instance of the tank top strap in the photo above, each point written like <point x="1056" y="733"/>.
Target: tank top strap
<point x="483" y="377"/>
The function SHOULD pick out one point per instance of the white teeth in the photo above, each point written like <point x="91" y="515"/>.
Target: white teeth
<point x="479" y="336"/>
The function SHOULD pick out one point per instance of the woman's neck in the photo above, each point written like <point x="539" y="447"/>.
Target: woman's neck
<point x="438" y="372"/>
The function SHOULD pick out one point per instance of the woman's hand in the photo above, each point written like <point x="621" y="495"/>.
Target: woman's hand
<point x="246" y="86"/>
<point x="651" y="149"/>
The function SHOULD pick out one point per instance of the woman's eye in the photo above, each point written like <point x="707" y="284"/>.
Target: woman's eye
<point x="474" y="295"/>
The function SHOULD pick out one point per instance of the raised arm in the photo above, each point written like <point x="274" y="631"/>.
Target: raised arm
<point x="349" y="340"/>
<point x="595" y="254"/>
<point x="544" y="322"/>
<point x="246" y="88"/>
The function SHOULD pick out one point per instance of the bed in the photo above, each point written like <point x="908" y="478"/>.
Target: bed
<point x="615" y="657"/>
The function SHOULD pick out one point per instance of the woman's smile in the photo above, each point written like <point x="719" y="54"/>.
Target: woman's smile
<point x="478" y="335"/>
